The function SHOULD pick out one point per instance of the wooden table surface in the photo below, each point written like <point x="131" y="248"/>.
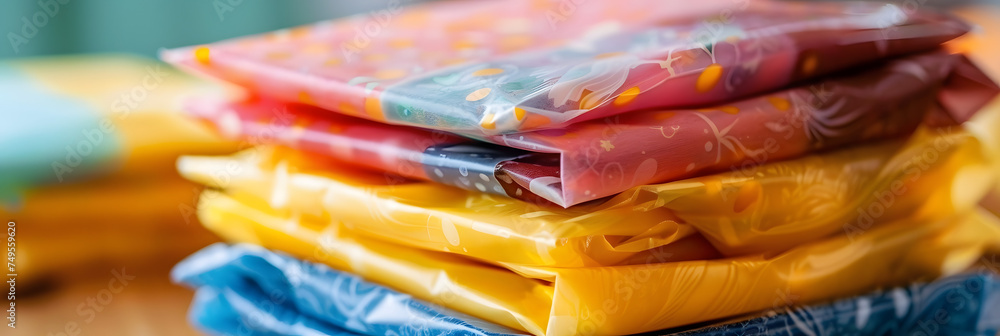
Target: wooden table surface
<point x="148" y="305"/>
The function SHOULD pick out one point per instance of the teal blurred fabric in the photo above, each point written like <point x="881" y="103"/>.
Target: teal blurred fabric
<point x="47" y="129"/>
<point x="143" y="27"/>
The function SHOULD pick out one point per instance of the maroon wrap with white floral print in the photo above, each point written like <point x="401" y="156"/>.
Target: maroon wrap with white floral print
<point x="598" y="158"/>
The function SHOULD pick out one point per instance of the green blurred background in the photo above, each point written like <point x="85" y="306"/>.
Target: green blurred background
<point x="143" y="27"/>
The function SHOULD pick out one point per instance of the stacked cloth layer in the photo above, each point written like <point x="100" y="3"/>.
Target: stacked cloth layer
<point x="248" y="290"/>
<point x="628" y="168"/>
<point x="733" y="64"/>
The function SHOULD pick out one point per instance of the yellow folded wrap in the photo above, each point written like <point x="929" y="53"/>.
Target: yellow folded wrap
<point x="620" y="299"/>
<point x="767" y="210"/>
<point x="799" y="231"/>
<point x="442" y="218"/>
<point x="780" y="205"/>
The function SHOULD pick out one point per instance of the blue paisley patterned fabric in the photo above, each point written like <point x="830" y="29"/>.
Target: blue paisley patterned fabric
<point x="248" y="290"/>
<point x="965" y="304"/>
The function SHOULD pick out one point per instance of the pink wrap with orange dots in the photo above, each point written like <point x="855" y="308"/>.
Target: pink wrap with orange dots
<point x="550" y="84"/>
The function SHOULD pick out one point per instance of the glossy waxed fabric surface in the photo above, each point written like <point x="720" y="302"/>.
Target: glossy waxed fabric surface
<point x="779" y="205"/>
<point x="553" y="104"/>
<point x="244" y="280"/>
<point x="488" y="227"/>
<point x="590" y="160"/>
<point x="965" y="304"/>
<point x="482" y="68"/>
<point x="934" y="173"/>
<point x="601" y="300"/>
<point x="237" y="285"/>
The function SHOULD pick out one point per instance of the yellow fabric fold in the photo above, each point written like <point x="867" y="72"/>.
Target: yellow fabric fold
<point x="794" y="232"/>
<point x="934" y="173"/>
<point x="620" y="299"/>
<point x="769" y="209"/>
<point x="441" y="218"/>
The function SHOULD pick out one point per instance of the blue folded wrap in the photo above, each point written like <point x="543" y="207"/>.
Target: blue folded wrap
<point x="248" y="290"/>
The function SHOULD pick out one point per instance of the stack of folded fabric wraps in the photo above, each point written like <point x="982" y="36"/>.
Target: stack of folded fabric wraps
<point x="605" y="168"/>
